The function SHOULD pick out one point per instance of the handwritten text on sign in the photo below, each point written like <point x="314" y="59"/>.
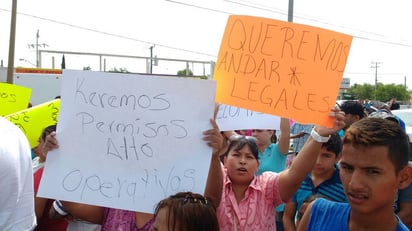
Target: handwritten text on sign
<point x="235" y="118"/>
<point x="33" y="120"/>
<point x="281" y="68"/>
<point x="128" y="141"/>
<point x="13" y="98"/>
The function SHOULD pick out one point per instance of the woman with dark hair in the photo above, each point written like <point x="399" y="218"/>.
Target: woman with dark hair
<point x="247" y="200"/>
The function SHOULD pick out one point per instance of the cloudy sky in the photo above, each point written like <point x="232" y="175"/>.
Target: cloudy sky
<point x="193" y="30"/>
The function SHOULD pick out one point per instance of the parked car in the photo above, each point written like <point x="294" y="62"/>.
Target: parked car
<point x="406" y="116"/>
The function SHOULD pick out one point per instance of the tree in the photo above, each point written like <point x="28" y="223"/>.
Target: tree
<point x="386" y="92"/>
<point x="185" y="72"/>
<point x="364" y="91"/>
<point x="382" y="93"/>
<point x="88" y="68"/>
<point x="120" y="70"/>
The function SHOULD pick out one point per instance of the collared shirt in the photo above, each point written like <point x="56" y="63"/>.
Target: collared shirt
<point x="256" y="210"/>
<point x="271" y="160"/>
<point x="331" y="188"/>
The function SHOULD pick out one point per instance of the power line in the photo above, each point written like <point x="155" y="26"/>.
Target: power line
<point x="111" y="34"/>
<point x="199" y="7"/>
<point x="307" y="18"/>
<point x="260" y="7"/>
<point x="313" y="19"/>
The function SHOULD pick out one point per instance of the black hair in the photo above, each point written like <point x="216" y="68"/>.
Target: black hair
<point x="334" y="144"/>
<point x="239" y="143"/>
<point x="353" y="107"/>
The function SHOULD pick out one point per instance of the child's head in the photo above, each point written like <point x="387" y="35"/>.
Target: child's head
<point x="328" y="156"/>
<point x="185" y="211"/>
<point x="373" y="165"/>
<point x="305" y="204"/>
<point x="241" y="159"/>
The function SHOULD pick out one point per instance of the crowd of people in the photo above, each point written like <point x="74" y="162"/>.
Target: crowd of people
<point x="352" y="176"/>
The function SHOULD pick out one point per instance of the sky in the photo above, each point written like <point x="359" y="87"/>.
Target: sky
<point x="193" y="29"/>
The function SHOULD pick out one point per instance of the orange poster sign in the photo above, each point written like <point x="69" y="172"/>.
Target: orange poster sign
<point x="281" y="68"/>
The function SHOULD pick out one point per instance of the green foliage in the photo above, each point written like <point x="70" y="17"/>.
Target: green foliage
<point x="383" y="92"/>
<point x="120" y="70"/>
<point x="88" y="68"/>
<point x="364" y="91"/>
<point x="185" y="72"/>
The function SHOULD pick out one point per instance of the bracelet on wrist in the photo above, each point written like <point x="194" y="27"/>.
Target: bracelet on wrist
<point x="321" y="139"/>
<point x="57" y="205"/>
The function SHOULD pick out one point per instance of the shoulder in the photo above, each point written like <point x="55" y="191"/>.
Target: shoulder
<point x="328" y="215"/>
<point x="13" y="139"/>
<point x="401" y="226"/>
<point x="9" y="127"/>
<point x="267" y="176"/>
<point x="266" y="180"/>
<point x="14" y="147"/>
<point x="327" y="207"/>
<point x="274" y="149"/>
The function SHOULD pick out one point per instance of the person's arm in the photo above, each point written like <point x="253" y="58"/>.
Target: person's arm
<point x="90" y="213"/>
<point x="214" y="183"/>
<point x="284" y="139"/>
<point x="304" y="221"/>
<point x="289" y="216"/>
<point x="298" y="135"/>
<point x="39" y="206"/>
<point x="291" y="178"/>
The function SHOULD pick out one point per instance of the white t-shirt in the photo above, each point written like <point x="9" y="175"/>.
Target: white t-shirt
<point x="16" y="179"/>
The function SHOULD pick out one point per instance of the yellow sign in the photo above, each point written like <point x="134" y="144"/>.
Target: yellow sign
<point x="13" y="98"/>
<point x="281" y="68"/>
<point x="33" y="120"/>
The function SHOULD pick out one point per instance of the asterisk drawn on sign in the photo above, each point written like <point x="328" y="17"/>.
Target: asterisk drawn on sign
<point x="294" y="76"/>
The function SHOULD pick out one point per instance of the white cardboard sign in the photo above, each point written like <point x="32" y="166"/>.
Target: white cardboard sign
<point x="235" y="118"/>
<point x="127" y="141"/>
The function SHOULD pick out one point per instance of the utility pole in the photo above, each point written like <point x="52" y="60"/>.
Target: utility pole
<point x="12" y="41"/>
<point x="376" y="66"/>
<point x="36" y="46"/>
<point x="151" y="59"/>
<point x="290" y="11"/>
<point x="404" y="82"/>
<point x="37" y="49"/>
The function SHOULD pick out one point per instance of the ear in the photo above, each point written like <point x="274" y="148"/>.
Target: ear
<point x="224" y="160"/>
<point x="405" y="177"/>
